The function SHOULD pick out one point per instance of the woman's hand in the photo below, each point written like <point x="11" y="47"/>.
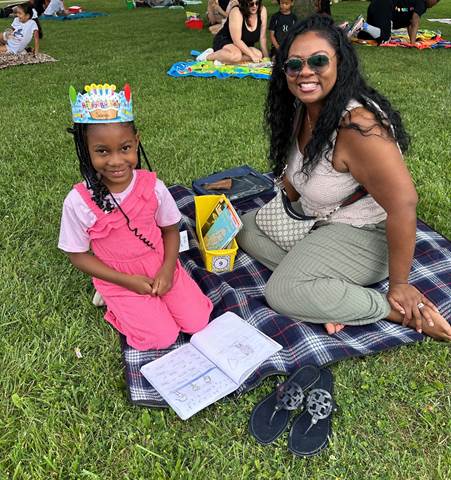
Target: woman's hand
<point x="256" y="56"/>
<point x="139" y="284"/>
<point x="409" y="302"/>
<point x="162" y="282"/>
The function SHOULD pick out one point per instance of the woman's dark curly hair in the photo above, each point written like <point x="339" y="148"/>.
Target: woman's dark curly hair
<point x="243" y="5"/>
<point x="100" y="192"/>
<point x="281" y="104"/>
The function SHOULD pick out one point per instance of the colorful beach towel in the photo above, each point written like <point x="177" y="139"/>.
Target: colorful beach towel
<point x="241" y="291"/>
<point x="209" y="69"/>
<point x="10" y="60"/>
<point x="73" y="16"/>
<point x="400" y="38"/>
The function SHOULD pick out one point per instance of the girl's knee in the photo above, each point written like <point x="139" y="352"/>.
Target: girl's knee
<point x="196" y="324"/>
<point x="153" y="332"/>
<point x="198" y="317"/>
<point x="153" y="341"/>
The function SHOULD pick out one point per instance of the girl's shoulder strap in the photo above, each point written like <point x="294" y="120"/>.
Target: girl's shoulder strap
<point x="145" y="182"/>
<point x="86" y="196"/>
<point x="143" y="175"/>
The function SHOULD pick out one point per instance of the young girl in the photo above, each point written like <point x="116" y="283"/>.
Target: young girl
<point x="128" y="219"/>
<point x="23" y="29"/>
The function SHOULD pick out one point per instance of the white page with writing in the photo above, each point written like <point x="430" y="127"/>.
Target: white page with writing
<point x="187" y="380"/>
<point x="234" y="345"/>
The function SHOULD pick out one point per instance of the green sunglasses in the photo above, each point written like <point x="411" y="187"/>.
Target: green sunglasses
<point x="317" y="62"/>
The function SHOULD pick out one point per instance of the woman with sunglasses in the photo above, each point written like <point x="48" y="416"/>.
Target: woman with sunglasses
<point x="329" y="134"/>
<point x="234" y="43"/>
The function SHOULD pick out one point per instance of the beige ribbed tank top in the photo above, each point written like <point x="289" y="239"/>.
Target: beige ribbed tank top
<point x="326" y="188"/>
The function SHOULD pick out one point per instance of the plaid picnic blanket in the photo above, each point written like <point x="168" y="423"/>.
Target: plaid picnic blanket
<point x="209" y="69"/>
<point x="241" y="291"/>
<point x="400" y="38"/>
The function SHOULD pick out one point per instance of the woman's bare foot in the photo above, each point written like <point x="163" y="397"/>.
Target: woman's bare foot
<point x="439" y="328"/>
<point x="332" y="328"/>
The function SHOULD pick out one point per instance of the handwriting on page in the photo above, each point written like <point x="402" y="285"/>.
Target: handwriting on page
<point x="234" y="345"/>
<point x="189" y="381"/>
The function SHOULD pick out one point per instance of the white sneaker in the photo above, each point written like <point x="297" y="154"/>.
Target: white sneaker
<point x="203" y="56"/>
<point x="356" y="26"/>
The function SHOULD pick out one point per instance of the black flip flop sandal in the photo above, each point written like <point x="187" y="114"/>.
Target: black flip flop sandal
<point x="269" y="418"/>
<point x="311" y="430"/>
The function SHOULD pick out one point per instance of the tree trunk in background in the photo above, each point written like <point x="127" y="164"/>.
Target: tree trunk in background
<point x="304" y="8"/>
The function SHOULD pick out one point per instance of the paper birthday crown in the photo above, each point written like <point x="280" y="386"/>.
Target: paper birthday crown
<point x="101" y="104"/>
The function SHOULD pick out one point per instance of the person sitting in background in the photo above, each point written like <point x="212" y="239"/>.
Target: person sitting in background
<point x="38" y="6"/>
<point x="23" y="29"/>
<point x="216" y="14"/>
<point x="55" y="7"/>
<point x="280" y="23"/>
<point x="385" y="15"/>
<point x="234" y="43"/>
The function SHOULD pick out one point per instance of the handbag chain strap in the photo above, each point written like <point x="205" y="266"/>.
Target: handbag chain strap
<point x="358" y="193"/>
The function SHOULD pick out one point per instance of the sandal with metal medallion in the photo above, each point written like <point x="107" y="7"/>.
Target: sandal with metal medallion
<point x="270" y="417"/>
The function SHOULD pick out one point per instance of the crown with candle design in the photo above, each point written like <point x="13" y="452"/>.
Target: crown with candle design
<point x="101" y="104"/>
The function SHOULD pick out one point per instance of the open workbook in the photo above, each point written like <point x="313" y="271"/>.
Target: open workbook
<point x="216" y="362"/>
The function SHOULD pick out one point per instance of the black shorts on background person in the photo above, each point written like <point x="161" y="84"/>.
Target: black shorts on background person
<point x="403" y="11"/>
<point x="388" y="14"/>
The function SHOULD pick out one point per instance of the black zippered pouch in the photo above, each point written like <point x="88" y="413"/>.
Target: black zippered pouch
<point x="246" y="183"/>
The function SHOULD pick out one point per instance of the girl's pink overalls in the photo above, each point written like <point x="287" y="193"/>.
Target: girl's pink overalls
<point x="147" y="322"/>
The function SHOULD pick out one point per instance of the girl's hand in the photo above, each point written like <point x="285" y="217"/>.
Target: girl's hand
<point x="163" y="281"/>
<point x="408" y="301"/>
<point x="139" y="284"/>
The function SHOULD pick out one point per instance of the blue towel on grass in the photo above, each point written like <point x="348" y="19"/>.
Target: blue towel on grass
<point x="73" y="16"/>
<point x="242" y="291"/>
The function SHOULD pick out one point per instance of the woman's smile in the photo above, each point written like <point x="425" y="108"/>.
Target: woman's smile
<point x="308" y="87"/>
<point x="311" y="84"/>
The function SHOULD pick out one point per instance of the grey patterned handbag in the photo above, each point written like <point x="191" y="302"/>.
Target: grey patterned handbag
<point x="285" y="226"/>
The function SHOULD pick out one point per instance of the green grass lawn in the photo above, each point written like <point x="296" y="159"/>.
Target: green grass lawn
<point x="68" y="418"/>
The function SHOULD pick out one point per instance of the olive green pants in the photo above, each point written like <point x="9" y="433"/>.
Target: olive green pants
<point x="322" y="279"/>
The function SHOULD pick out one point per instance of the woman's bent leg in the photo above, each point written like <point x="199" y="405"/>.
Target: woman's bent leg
<point x="255" y="243"/>
<point x="322" y="278"/>
<point x="228" y="54"/>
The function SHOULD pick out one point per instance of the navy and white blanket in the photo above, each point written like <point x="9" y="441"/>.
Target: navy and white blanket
<point x="241" y="291"/>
